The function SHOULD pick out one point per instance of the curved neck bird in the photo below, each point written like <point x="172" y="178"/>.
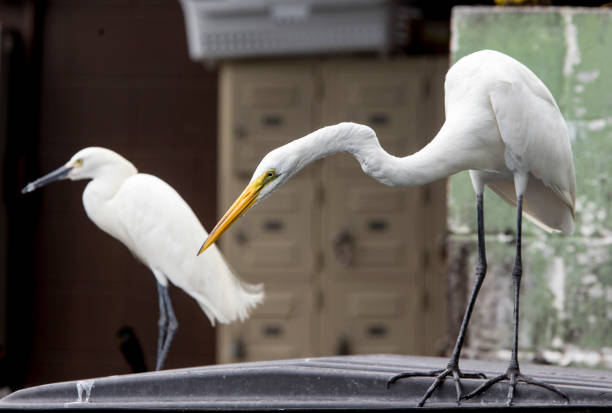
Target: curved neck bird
<point x="503" y="125"/>
<point x="152" y="220"/>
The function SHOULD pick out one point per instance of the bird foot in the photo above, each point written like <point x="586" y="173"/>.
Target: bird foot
<point x="514" y="376"/>
<point x="439" y="377"/>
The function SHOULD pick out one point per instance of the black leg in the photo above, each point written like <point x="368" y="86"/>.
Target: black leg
<point x="513" y="374"/>
<point x="517" y="273"/>
<point x="167" y="326"/>
<point x="481" y="272"/>
<point x="161" y="324"/>
<point x="452" y="367"/>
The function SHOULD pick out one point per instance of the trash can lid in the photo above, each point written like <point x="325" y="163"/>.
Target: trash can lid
<point x="347" y="382"/>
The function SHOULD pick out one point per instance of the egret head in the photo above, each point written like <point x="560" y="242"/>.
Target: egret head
<point x="276" y="168"/>
<point x="88" y="163"/>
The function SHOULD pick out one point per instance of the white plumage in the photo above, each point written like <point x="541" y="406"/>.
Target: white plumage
<point x="150" y="218"/>
<point x="518" y="123"/>
<point x="162" y="232"/>
<point x="502" y="124"/>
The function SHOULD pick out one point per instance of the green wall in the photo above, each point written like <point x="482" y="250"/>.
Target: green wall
<point x="566" y="307"/>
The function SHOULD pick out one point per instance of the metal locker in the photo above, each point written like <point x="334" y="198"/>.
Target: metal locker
<point x="270" y="106"/>
<point x="349" y="265"/>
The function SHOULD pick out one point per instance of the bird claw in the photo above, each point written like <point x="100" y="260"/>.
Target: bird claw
<point x="439" y="377"/>
<point x="514" y="376"/>
<point x="399" y="376"/>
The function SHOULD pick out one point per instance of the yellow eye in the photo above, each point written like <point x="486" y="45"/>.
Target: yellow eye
<point x="78" y="162"/>
<point x="270" y="175"/>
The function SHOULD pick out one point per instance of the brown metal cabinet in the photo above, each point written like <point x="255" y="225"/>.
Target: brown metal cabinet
<point x="348" y="263"/>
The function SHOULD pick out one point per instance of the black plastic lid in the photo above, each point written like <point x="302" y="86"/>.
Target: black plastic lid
<point x="349" y="382"/>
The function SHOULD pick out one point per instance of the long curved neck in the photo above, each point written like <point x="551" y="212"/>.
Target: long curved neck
<point x="433" y="162"/>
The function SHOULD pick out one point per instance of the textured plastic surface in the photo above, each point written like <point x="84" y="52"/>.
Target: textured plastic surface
<point x="350" y="382"/>
<point x="243" y="28"/>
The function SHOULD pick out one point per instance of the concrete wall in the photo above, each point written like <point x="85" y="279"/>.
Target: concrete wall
<point x="566" y="307"/>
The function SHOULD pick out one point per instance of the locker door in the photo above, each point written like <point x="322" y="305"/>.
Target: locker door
<point x="271" y="105"/>
<point x="369" y="318"/>
<point x="283" y="327"/>
<point x="368" y="229"/>
<point x="275" y="240"/>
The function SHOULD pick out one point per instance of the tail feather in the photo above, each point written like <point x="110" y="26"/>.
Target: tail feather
<point x="248" y="296"/>
<point x="240" y="301"/>
<point x="224" y="297"/>
<point x="542" y="206"/>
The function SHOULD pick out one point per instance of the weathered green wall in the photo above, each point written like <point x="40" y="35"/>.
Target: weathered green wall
<point x="566" y="307"/>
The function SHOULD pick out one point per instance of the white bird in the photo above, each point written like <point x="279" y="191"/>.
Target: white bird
<point x="152" y="220"/>
<point x="503" y="125"/>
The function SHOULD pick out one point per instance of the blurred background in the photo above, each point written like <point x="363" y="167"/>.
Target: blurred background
<point x="197" y="91"/>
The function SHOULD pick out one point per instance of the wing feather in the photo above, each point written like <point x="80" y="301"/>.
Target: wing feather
<point x="537" y="143"/>
<point x="165" y="234"/>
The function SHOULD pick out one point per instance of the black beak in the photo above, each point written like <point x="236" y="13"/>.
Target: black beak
<point x="58" y="174"/>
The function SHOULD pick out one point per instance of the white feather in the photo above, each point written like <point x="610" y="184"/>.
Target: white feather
<point x="156" y="224"/>
<point x="502" y="124"/>
<point x="533" y="132"/>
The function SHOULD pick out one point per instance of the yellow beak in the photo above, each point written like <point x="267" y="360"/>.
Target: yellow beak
<point x="239" y="207"/>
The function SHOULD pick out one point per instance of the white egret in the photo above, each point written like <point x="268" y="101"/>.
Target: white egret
<point x="152" y="220"/>
<point x="503" y="125"/>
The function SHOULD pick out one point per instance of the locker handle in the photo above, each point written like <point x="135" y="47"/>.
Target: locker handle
<point x="344" y="246"/>
<point x="378" y="119"/>
<point x="273" y="225"/>
<point x="378" y="225"/>
<point x="272" y="330"/>
<point x="272" y="121"/>
<point x="377" y="330"/>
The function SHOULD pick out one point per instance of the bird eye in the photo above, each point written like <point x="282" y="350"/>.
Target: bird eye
<point x="79" y="162"/>
<point x="269" y="176"/>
